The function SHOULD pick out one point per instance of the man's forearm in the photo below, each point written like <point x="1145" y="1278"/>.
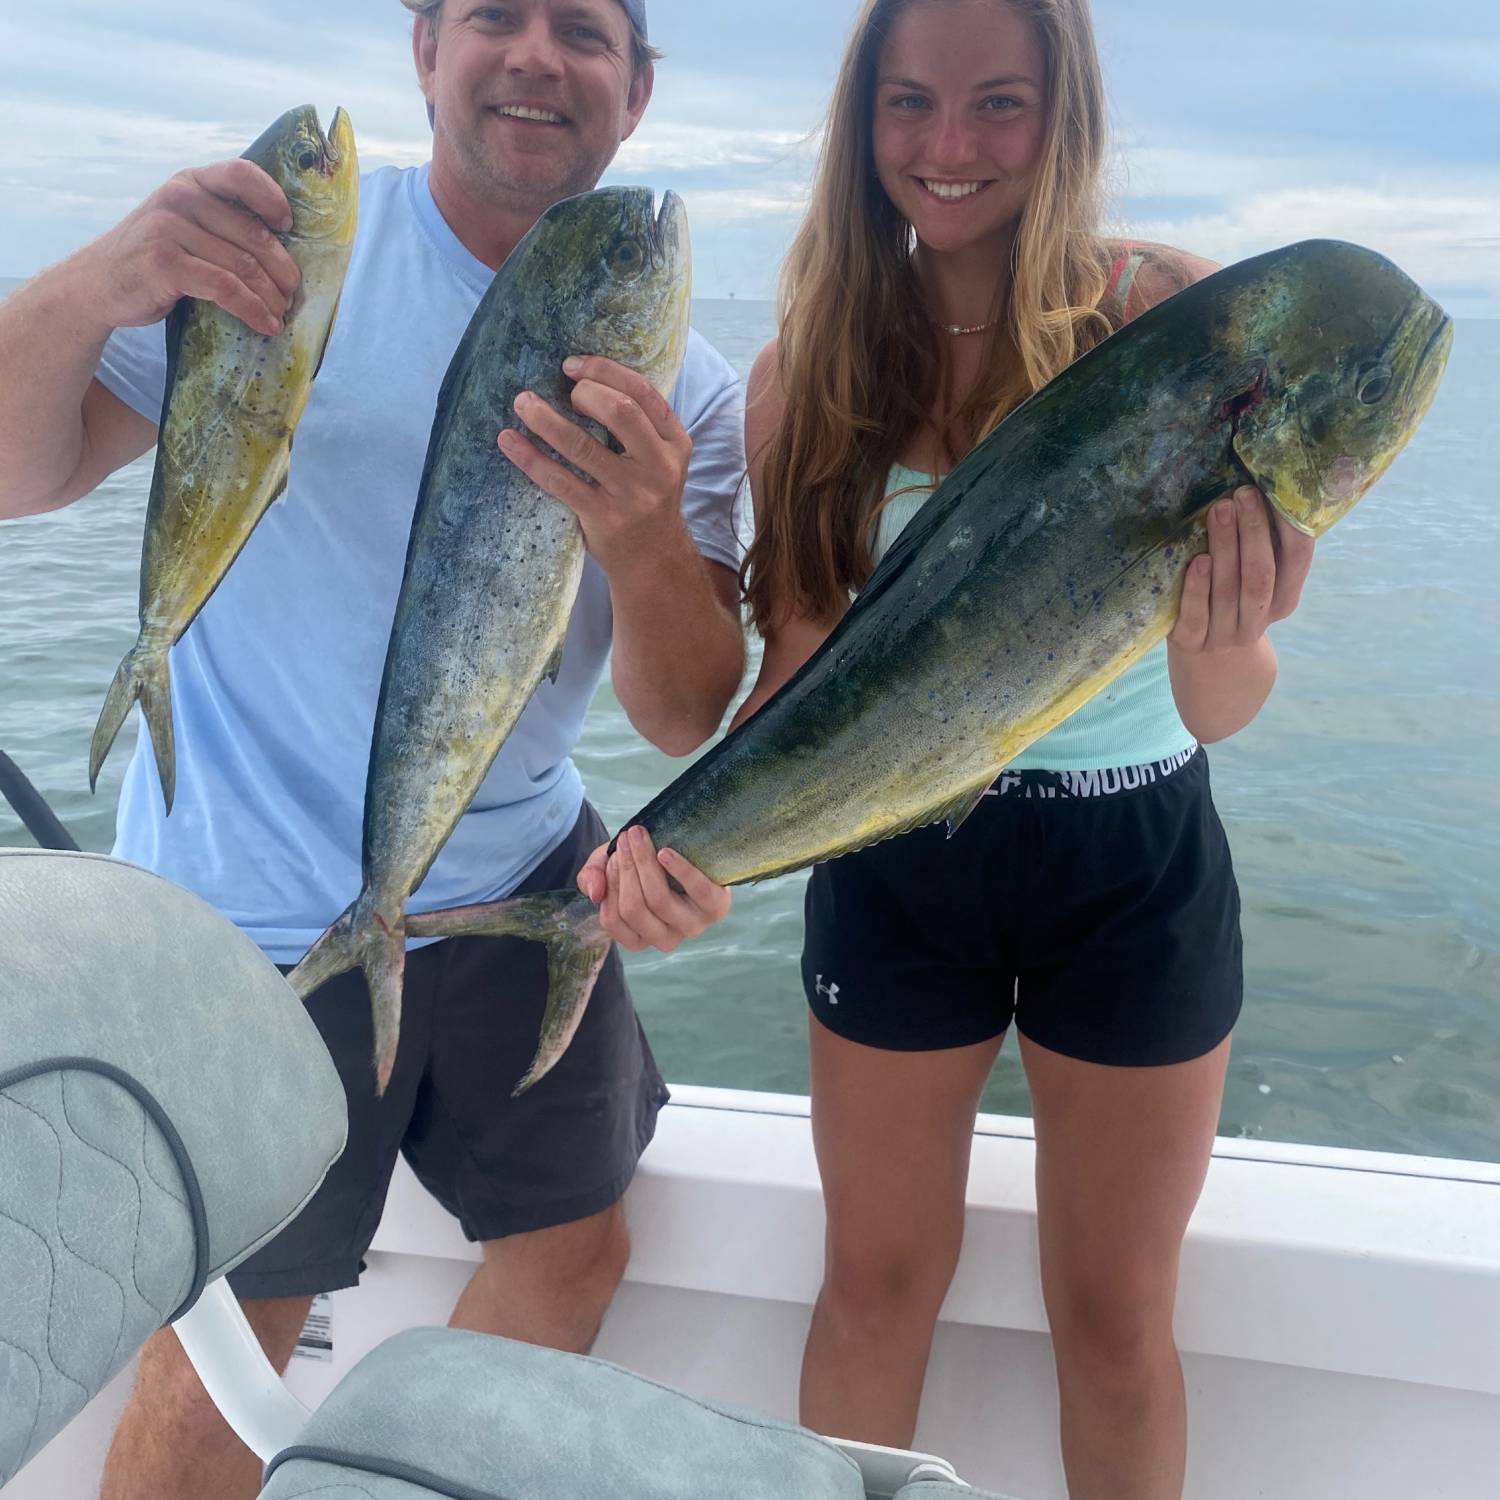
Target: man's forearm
<point x="679" y="651"/>
<point x="49" y="350"/>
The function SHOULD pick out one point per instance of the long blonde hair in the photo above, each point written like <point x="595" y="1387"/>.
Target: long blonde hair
<point x="859" y="359"/>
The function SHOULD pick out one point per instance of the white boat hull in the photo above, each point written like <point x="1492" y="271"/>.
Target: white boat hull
<point x="1339" y="1312"/>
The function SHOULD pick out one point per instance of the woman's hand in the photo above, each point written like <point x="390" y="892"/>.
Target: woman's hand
<point x="1222" y="663"/>
<point x="639" y="907"/>
<point x="1249" y="578"/>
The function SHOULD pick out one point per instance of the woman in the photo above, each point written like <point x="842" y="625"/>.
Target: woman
<point x="951" y="265"/>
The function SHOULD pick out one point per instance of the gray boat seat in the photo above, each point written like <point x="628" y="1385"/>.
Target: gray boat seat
<point x="944" y="1489"/>
<point x="438" y="1412"/>
<point x="150" y="1057"/>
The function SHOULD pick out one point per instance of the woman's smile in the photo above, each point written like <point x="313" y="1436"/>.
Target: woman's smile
<point x="948" y="192"/>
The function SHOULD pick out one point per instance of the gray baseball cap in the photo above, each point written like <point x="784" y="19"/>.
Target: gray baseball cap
<point x="636" y="10"/>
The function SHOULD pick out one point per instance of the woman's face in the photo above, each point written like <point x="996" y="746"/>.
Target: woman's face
<point x="960" y="119"/>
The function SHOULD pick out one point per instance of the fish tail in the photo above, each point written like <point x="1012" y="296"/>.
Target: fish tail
<point x="577" y="946"/>
<point x="145" y="674"/>
<point x="363" y="938"/>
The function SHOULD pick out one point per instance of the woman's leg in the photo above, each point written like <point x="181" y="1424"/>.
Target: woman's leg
<point x="892" y="1132"/>
<point x="1121" y="1158"/>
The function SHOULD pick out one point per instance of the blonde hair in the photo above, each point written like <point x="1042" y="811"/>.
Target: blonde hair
<point x="642" y="53"/>
<point x="859" y="359"/>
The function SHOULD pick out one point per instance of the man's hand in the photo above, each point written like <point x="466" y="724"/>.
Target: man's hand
<point x="633" y="507"/>
<point x="1249" y="579"/>
<point x="201" y="234"/>
<point x="638" y="906"/>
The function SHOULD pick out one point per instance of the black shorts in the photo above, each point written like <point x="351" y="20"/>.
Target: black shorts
<point x="471" y="1016"/>
<point x="1096" y="909"/>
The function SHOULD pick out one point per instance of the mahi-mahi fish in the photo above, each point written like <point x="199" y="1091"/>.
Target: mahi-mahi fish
<point x="233" y="401"/>
<point x="494" y="562"/>
<point x="1047" y="563"/>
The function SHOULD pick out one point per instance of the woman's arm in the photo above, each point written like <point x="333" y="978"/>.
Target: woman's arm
<point x="794" y="637"/>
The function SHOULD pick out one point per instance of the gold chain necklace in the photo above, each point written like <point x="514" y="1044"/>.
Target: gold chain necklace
<point x="958" y="331"/>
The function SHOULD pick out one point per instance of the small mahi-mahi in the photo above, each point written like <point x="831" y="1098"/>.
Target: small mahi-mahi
<point x="233" y="401"/>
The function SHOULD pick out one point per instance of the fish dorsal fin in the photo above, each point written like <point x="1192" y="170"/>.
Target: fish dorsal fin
<point x="501" y="290"/>
<point x="457" y="372"/>
<point x="176" y="327"/>
<point x="1018" y="514"/>
<point x="949" y="494"/>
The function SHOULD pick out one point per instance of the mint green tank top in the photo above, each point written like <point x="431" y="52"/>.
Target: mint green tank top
<point x="1134" y="720"/>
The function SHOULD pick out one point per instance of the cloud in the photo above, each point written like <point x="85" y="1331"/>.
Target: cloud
<point x="44" y="138"/>
<point x="1240" y="128"/>
<point x="1442" y="240"/>
<point x="62" y="79"/>
<point x="393" y="151"/>
<point x="681" y="146"/>
<point x="723" y="206"/>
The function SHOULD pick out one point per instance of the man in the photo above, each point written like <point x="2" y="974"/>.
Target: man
<point x="275" y="685"/>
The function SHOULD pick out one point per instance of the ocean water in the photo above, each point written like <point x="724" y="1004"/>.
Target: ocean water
<point x="1362" y="805"/>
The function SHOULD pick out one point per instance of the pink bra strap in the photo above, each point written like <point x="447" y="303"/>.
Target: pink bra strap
<point x="1122" y="276"/>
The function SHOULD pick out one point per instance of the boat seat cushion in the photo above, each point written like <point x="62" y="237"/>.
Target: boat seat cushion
<point x="443" y="1412"/>
<point x="166" y="1106"/>
<point x="943" y="1489"/>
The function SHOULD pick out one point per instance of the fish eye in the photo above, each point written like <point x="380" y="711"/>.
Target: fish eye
<point x="1374" y="384"/>
<point x="627" y="256"/>
<point x="308" y="159"/>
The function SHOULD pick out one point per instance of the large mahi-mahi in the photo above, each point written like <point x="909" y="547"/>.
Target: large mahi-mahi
<point x="494" y="562"/>
<point x="233" y="401"/>
<point x="1049" y="561"/>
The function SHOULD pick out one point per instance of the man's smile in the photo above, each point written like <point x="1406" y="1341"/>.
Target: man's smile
<point x="535" y="114"/>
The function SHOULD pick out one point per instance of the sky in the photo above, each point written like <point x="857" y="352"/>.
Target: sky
<point x="1238" y="127"/>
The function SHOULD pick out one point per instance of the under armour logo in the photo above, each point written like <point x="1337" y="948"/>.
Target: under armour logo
<point x="831" y="990"/>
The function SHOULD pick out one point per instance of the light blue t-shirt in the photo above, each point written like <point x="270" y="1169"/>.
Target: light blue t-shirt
<point x="275" y="684"/>
<point x="1132" y="722"/>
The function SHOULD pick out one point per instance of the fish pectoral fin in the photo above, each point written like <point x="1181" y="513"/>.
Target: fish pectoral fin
<point x="554" y="665"/>
<point x="278" y="488"/>
<point x="333" y="318"/>
<point x="960" y="808"/>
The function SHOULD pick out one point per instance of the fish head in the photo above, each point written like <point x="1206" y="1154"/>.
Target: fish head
<point x="1354" y="354"/>
<point x="614" y="276"/>
<point x="318" y="173"/>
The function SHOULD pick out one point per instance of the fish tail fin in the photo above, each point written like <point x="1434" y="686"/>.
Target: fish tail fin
<point x="362" y="938"/>
<point x="577" y="946"/>
<point x="145" y="674"/>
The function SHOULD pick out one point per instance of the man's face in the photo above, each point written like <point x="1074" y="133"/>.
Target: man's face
<point x="532" y="97"/>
